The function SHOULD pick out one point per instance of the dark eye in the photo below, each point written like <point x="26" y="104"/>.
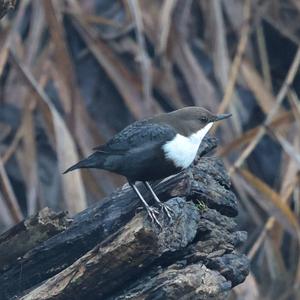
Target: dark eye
<point x="204" y="119"/>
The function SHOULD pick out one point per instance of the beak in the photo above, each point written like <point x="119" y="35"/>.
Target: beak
<point x="223" y="116"/>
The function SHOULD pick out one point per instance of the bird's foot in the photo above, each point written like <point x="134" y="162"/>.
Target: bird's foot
<point x="165" y="207"/>
<point x="152" y="212"/>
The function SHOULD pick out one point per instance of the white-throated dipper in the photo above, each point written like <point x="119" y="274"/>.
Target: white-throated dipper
<point x="153" y="149"/>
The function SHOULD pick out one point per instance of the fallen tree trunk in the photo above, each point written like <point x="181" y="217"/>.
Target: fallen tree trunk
<point x="112" y="252"/>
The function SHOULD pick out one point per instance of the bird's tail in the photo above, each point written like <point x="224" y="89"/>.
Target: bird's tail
<point x="95" y="160"/>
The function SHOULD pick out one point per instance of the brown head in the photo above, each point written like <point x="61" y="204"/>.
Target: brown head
<point x="189" y="120"/>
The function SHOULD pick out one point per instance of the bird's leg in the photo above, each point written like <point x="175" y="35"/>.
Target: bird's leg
<point x="150" y="210"/>
<point x="164" y="206"/>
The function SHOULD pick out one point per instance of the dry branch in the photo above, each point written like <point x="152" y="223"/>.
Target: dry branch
<point x="9" y="195"/>
<point x="280" y="97"/>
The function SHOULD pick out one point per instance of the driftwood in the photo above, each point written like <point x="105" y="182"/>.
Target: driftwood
<point x="112" y="251"/>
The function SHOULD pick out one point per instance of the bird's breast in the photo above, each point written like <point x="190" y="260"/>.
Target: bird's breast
<point x="182" y="150"/>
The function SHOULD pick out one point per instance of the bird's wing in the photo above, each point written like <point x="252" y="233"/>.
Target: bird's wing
<point x="137" y="134"/>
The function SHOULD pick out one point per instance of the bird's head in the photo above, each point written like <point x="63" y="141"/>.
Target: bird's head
<point x="192" y="119"/>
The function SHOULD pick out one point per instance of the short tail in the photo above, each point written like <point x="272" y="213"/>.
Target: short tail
<point x="95" y="160"/>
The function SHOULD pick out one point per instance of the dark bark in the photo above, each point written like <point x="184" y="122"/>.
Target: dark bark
<point x="5" y="6"/>
<point x="111" y="252"/>
<point x="27" y="234"/>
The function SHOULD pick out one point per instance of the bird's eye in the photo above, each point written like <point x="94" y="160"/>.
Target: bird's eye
<point x="204" y="119"/>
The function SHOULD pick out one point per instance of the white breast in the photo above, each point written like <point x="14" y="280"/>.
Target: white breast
<point x="182" y="150"/>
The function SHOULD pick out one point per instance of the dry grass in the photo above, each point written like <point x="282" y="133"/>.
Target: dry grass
<point x="72" y="73"/>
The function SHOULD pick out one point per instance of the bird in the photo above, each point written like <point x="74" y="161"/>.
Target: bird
<point x="153" y="149"/>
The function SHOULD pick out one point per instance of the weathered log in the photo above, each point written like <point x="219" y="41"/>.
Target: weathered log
<point x="79" y="260"/>
<point x="128" y="253"/>
<point x="140" y="247"/>
<point x="206" y="269"/>
<point x="27" y="234"/>
<point x="195" y="281"/>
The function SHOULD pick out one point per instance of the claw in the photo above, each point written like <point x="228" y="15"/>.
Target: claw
<point x="164" y="206"/>
<point x="152" y="214"/>
<point x="167" y="210"/>
<point x="155" y="210"/>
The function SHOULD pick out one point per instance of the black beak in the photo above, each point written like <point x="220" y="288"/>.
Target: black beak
<point x="223" y="116"/>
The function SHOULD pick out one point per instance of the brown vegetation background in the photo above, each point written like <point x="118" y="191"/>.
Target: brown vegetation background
<point x="73" y="73"/>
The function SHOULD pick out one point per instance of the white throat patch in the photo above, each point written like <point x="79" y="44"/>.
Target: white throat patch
<point x="182" y="150"/>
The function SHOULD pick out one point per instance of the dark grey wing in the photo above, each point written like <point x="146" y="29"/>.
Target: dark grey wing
<point x="137" y="134"/>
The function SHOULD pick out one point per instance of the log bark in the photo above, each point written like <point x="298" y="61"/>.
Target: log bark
<point x="5" y="6"/>
<point x="111" y="251"/>
<point x="27" y="234"/>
